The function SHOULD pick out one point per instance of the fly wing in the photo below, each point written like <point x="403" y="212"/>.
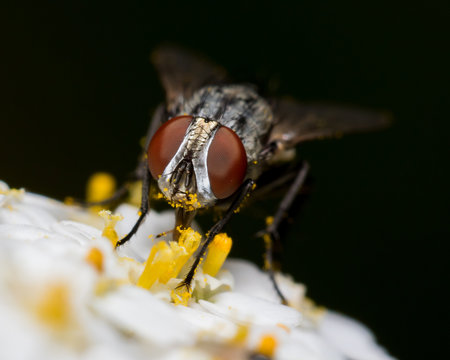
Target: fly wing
<point x="297" y="122"/>
<point x="182" y="72"/>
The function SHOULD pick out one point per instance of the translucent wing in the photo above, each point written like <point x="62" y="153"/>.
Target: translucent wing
<point x="182" y="72"/>
<point x="297" y="122"/>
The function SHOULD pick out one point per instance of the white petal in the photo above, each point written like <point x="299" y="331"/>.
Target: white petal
<point x="137" y="311"/>
<point x="251" y="310"/>
<point x="250" y="280"/>
<point x="351" y="338"/>
<point x="207" y="325"/>
<point x="82" y="233"/>
<point x="306" y="344"/>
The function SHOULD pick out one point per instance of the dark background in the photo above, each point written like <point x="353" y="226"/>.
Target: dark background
<point x="76" y="91"/>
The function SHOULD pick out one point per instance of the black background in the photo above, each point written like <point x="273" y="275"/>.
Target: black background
<point x="76" y="91"/>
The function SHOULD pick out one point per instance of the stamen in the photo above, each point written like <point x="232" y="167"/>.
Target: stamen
<point x="241" y="336"/>
<point x="217" y="254"/>
<point x="157" y="262"/>
<point x="189" y="240"/>
<point x="53" y="308"/>
<point x="267" y="346"/>
<point x="166" y="260"/>
<point x="110" y="223"/>
<point x="100" y="186"/>
<point x="95" y="258"/>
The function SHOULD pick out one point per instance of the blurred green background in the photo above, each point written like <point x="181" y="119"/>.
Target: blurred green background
<point x="77" y="90"/>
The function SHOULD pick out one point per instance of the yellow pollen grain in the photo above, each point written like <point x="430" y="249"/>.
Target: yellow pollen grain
<point x="217" y="254"/>
<point x="110" y="223"/>
<point x="100" y="186"/>
<point x="267" y="345"/>
<point x="53" y="307"/>
<point x="95" y="258"/>
<point x="180" y="296"/>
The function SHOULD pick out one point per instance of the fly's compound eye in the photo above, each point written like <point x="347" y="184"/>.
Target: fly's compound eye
<point x="227" y="163"/>
<point x="165" y="143"/>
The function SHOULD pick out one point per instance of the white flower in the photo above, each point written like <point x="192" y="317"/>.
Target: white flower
<point x="65" y="293"/>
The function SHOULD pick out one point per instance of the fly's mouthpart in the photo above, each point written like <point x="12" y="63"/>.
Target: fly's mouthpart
<point x="182" y="183"/>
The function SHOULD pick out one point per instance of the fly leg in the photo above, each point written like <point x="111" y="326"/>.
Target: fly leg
<point x="246" y="187"/>
<point x="143" y="210"/>
<point x="271" y="237"/>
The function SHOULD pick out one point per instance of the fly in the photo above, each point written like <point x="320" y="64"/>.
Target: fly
<point x="212" y="141"/>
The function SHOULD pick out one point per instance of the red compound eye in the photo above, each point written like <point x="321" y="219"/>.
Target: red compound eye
<point x="227" y="163"/>
<point x="165" y="143"/>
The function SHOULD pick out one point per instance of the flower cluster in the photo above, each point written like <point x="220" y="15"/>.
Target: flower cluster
<point x="66" y="293"/>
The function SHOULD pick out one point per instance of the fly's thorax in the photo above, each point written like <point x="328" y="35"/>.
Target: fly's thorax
<point x="185" y="182"/>
<point x="240" y="108"/>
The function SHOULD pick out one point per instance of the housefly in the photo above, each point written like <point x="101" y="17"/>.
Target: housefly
<point x="212" y="141"/>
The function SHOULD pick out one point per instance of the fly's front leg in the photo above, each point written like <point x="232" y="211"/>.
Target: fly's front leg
<point x="245" y="189"/>
<point x="271" y="236"/>
<point x="144" y="208"/>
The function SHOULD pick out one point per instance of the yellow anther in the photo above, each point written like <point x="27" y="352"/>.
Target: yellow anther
<point x="95" y="258"/>
<point x="269" y="220"/>
<point x="100" y="186"/>
<point x="53" y="307"/>
<point x="189" y="240"/>
<point x="166" y="260"/>
<point x="157" y="262"/>
<point x="267" y="346"/>
<point x="110" y="223"/>
<point x="241" y="335"/>
<point x="217" y="253"/>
